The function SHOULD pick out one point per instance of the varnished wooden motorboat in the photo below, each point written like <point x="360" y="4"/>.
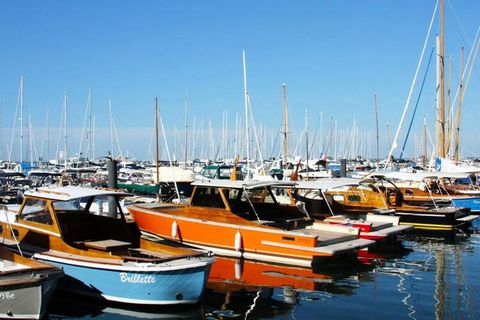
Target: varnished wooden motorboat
<point x="243" y="219"/>
<point x="85" y="232"/>
<point x="312" y="194"/>
<point x="432" y="188"/>
<point x="378" y="194"/>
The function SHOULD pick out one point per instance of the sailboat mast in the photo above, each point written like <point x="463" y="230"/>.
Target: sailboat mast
<point x="111" y="125"/>
<point x="441" y="57"/>
<point x="30" y="139"/>
<point x="285" y="127"/>
<point x="21" y="119"/>
<point x="156" y="140"/>
<point x="425" y="150"/>
<point x="93" y="138"/>
<point x="246" y="112"/>
<point x="48" y="134"/>
<point x="90" y="126"/>
<point x="376" y="125"/>
<point x="186" y="132"/>
<point x="306" y="140"/>
<point x="459" y="110"/>
<point x="65" y="130"/>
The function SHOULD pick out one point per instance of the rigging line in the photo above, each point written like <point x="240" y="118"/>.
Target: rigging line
<point x="4" y="208"/>
<point x="416" y="104"/>
<point x="14" y="128"/>
<point x="84" y="123"/>
<point x="169" y="158"/>
<point x="468" y="64"/>
<point x="462" y="28"/>
<point x="251" y="204"/>
<point x="275" y="141"/>
<point x="314" y="136"/>
<point x="394" y="144"/>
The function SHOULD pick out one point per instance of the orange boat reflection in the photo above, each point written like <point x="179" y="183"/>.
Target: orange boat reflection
<point x="227" y="273"/>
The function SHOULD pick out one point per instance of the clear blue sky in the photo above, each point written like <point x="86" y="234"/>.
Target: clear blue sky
<point x="333" y="55"/>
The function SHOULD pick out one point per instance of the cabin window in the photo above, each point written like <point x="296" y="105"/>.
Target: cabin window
<point x="36" y="210"/>
<point x="208" y="197"/>
<point x="258" y="196"/>
<point x="68" y="205"/>
<point x="354" y="198"/>
<point x="103" y="206"/>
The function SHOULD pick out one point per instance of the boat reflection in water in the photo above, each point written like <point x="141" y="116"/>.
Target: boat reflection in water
<point x="417" y="277"/>
<point x="439" y="279"/>
<point x="239" y="287"/>
<point x="71" y="306"/>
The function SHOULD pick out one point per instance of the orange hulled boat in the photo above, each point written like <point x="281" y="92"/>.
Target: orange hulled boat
<point x="244" y="219"/>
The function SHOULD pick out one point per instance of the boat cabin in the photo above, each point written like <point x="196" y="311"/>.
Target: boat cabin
<point x="250" y="200"/>
<point x="77" y="214"/>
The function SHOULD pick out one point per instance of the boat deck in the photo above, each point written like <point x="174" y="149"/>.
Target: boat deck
<point x="325" y="238"/>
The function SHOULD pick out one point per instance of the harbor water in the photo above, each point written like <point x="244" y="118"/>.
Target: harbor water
<point x="417" y="277"/>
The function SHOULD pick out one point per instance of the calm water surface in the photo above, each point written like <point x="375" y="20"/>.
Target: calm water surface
<point x="419" y="277"/>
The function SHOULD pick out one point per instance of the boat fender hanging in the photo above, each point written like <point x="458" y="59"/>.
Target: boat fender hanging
<point x="238" y="241"/>
<point x="174" y="229"/>
<point x="238" y="269"/>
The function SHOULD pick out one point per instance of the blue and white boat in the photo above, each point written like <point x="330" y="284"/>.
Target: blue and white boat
<point x="86" y="232"/>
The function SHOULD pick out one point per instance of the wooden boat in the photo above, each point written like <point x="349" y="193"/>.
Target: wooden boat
<point x="380" y="195"/>
<point x="85" y="232"/>
<point x="243" y="218"/>
<point x="312" y="195"/>
<point x="26" y="286"/>
<point x="430" y="188"/>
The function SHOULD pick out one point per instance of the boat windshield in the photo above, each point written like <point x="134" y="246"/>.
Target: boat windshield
<point x="36" y="210"/>
<point x="73" y="204"/>
<point x="208" y="197"/>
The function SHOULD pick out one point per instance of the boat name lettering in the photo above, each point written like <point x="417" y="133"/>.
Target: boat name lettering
<point x="136" y="278"/>
<point x="7" y="295"/>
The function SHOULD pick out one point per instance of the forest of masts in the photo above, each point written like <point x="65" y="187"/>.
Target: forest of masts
<point x="199" y="139"/>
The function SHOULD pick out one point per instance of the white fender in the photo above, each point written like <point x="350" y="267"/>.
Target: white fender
<point x="238" y="270"/>
<point x="174" y="229"/>
<point x="238" y="241"/>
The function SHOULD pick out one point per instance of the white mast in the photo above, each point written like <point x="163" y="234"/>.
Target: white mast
<point x="93" y="138"/>
<point x="186" y="131"/>
<point x="376" y="126"/>
<point x="90" y="126"/>
<point x="65" y="130"/>
<point x="285" y="127"/>
<point x="30" y="139"/>
<point x="48" y="134"/>
<point x="21" y="119"/>
<point x="111" y="125"/>
<point x="246" y="113"/>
